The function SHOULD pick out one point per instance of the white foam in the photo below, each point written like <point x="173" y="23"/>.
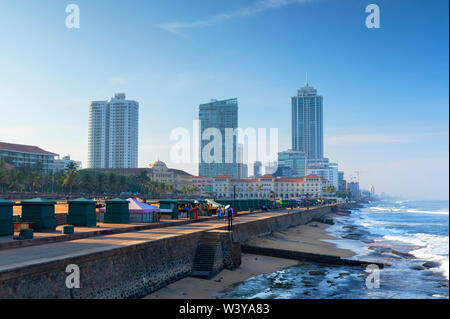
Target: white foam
<point x="431" y="247"/>
<point x="416" y="211"/>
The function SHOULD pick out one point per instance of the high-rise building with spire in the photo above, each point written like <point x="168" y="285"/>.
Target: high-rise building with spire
<point x="307" y="122"/>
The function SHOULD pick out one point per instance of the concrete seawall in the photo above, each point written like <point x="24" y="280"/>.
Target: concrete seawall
<point x="133" y="271"/>
<point x="243" y="232"/>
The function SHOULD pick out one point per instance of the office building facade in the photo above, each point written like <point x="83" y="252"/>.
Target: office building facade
<point x="325" y="169"/>
<point x="307" y="122"/>
<point x="219" y="116"/>
<point x="295" y="160"/>
<point x="257" y="169"/>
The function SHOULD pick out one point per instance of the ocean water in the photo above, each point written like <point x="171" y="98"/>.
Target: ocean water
<point x="411" y="236"/>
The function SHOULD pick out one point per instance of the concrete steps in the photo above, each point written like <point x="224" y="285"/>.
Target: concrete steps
<point x="205" y="256"/>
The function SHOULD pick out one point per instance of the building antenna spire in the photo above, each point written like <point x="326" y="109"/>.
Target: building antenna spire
<point x="306" y="83"/>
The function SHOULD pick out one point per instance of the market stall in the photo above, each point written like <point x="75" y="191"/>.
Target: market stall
<point x="139" y="212"/>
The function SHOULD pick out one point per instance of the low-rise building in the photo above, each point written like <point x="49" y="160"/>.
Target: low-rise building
<point x="20" y="155"/>
<point x="62" y="164"/>
<point x="158" y="172"/>
<point x="204" y="184"/>
<point x="323" y="168"/>
<point x="268" y="186"/>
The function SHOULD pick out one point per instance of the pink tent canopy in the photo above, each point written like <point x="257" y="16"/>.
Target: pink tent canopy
<point x="137" y="207"/>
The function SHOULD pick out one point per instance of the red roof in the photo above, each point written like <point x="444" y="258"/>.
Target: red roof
<point x="267" y="176"/>
<point x="312" y="176"/>
<point x="291" y="179"/>
<point x="222" y="176"/>
<point x="24" y="149"/>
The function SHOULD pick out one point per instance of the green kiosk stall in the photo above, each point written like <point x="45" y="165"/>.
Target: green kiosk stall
<point x="40" y="212"/>
<point x="82" y="213"/>
<point x="6" y="218"/>
<point x="117" y="211"/>
<point x="170" y="207"/>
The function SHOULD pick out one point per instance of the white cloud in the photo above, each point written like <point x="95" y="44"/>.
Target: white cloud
<point x="255" y="8"/>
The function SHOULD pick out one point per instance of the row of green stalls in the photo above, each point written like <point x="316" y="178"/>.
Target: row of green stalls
<point x="287" y="203"/>
<point x="186" y="208"/>
<point x="247" y="204"/>
<point x="39" y="213"/>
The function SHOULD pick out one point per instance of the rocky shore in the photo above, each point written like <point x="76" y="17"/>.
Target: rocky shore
<point x="312" y="238"/>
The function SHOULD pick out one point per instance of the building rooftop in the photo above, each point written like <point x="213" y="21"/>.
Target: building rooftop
<point x="24" y="149"/>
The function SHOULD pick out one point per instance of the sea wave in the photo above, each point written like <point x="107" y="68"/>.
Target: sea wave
<point x="408" y="210"/>
<point x="417" y="211"/>
<point x="429" y="247"/>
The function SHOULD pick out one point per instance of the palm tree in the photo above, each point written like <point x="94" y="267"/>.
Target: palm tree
<point x="3" y="175"/>
<point x="70" y="179"/>
<point x="34" y="179"/>
<point x="17" y="180"/>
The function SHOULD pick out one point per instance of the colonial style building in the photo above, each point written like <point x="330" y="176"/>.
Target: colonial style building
<point x="158" y="172"/>
<point x="204" y="184"/>
<point x="268" y="186"/>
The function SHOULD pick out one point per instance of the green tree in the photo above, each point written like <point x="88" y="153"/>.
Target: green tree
<point x="143" y="181"/>
<point x="70" y="179"/>
<point x="34" y="179"/>
<point x="112" y="181"/>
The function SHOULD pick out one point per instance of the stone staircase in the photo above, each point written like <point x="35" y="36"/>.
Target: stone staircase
<point x="205" y="256"/>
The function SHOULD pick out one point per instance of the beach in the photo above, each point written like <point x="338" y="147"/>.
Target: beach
<point x="312" y="237"/>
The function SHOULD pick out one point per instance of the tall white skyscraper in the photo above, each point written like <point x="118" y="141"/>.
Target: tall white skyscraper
<point x="113" y="133"/>
<point x="307" y="122"/>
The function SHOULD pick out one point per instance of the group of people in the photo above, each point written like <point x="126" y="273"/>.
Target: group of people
<point x="225" y="212"/>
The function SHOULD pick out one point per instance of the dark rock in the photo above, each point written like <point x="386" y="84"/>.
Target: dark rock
<point x="317" y="273"/>
<point x="404" y="255"/>
<point x="418" y="267"/>
<point x="431" y="264"/>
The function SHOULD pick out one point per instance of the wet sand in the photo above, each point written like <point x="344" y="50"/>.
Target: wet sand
<point x="307" y="238"/>
<point x="196" y="288"/>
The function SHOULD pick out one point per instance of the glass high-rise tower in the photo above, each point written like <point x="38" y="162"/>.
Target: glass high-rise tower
<point x="307" y="122"/>
<point x="220" y="115"/>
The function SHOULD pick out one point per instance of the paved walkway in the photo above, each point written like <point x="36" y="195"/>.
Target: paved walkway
<point x="33" y="255"/>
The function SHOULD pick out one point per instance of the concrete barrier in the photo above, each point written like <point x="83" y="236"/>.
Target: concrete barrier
<point x="137" y="270"/>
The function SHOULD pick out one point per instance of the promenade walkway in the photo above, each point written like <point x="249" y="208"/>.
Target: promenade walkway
<point x="11" y="259"/>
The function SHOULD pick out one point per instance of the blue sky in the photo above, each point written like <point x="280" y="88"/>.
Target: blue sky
<point x="385" y="90"/>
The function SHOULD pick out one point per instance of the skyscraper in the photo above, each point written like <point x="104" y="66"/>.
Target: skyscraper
<point x="219" y="116"/>
<point x="113" y="133"/>
<point x="257" y="169"/>
<point x="295" y="160"/>
<point x="307" y="122"/>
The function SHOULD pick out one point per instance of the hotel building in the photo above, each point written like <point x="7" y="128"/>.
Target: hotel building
<point x="113" y="133"/>
<point x="268" y="186"/>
